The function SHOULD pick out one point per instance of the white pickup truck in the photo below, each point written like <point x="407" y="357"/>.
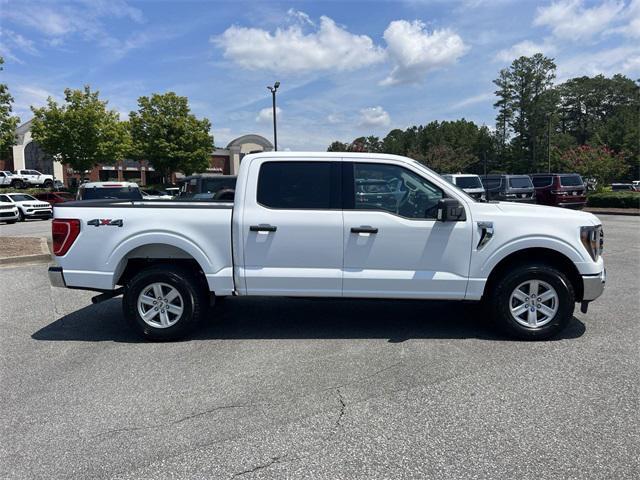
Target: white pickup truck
<point x="331" y="225"/>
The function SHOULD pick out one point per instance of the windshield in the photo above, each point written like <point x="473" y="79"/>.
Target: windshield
<point x="93" y="193"/>
<point x="571" y="181"/>
<point x="468" y="182"/>
<point x="22" y="198"/>
<point x="520" y="182"/>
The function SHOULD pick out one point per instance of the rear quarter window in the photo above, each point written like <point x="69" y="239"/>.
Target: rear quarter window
<point x="571" y="181"/>
<point x="544" y="181"/>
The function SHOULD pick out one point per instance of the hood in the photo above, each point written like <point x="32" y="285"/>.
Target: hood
<point x="544" y="211"/>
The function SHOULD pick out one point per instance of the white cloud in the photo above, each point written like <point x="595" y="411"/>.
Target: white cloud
<point x="266" y="115"/>
<point x="570" y="19"/>
<point x="465" y="102"/>
<point x="625" y="60"/>
<point x="329" y="47"/>
<point x="12" y="43"/>
<point x="632" y="15"/>
<point x="300" y="17"/>
<point x="334" y="118"/>
<point x="525" y="48"/>
<point x="415" y="51"/>
<point x="374" y="117"/>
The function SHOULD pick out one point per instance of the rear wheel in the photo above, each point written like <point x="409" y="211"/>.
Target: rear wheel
<point x="533" y="302"/>
<point x="47" y="184"/>
<point x="164" y="302"/>
<point x="17" y="184"/>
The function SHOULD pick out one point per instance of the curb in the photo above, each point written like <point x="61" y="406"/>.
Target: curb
<point x="43" y="257"/>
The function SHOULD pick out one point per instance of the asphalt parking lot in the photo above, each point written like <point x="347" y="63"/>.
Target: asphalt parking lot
<point x="320" y="389"/>
<point x="28" y="228"/>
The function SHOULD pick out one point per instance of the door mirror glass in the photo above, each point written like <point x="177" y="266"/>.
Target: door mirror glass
<point x="450" y="210"/>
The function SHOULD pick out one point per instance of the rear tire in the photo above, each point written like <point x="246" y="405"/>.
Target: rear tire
<point x="164" y="303"/>
<point x="47" y="184"/>
<point x="532" y="302"/>
<point x="17" y="184"/>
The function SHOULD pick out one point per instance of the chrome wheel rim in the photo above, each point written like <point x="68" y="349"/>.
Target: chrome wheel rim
<point x="160" y="305"/>
<point x="534" y="303"/>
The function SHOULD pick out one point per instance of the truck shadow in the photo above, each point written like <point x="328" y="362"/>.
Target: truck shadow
<point x="289" y="318"/>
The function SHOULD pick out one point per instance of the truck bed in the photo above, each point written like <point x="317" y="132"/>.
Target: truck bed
<point x="198" y="230"/>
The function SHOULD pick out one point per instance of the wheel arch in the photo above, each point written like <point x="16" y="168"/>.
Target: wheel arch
<point x="547" y="256"/>
<point x="153" y="254"/>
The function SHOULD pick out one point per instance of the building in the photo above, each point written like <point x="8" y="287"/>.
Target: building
<point x="27" y="154"/>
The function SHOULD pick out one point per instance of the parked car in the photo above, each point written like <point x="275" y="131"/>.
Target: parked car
<point x="221" y="186"/>
<point x="55" y="197"/>
<point x="58" y="185"/>
<point x="560" y="189"/>
<point x="618" y="187"/>
<point x="34" y="178"/>
<point x="9" y="179"/>
<point x="509" y="188"/>
<point x="298" y="228"/>
<point x="113" y="190"/>
<point x="472" y="184"/>
<point x="28" y="206"/>
<point x="636" y="184"/>
<point x="8" y="212"/>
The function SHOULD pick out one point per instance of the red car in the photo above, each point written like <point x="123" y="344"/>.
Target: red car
<point x="55" y="197"/>
<point x="560" y="189"/>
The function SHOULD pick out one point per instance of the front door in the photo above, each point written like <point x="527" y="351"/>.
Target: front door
<point x="292" y="229"/>
<point x="393" y="245"/>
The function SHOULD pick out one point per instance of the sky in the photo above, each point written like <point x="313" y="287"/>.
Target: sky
<point x="346" y="69"/>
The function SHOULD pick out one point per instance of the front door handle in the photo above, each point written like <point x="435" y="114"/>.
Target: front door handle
<point x="263" y="227"/>
<point x="364" y="229"/>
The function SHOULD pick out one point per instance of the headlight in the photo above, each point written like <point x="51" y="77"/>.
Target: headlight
<point x="593" y="240"/>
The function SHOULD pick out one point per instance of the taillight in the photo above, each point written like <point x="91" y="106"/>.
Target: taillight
<point x="64" y="232"/>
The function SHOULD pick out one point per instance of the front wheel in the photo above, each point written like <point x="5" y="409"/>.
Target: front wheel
<point x="17" y="184"/>
<point x="533" y="302"/>
<point x="164" y="302"/>
<point x="21" y="217"/>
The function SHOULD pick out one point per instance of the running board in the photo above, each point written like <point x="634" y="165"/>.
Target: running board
<point x="107" y="295"/>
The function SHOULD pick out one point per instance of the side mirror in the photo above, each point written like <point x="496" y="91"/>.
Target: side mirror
<point x="450" y="210"/>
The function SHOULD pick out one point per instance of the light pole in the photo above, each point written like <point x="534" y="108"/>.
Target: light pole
<point x="275" y="130"/>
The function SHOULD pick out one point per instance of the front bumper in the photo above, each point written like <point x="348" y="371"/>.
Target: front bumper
<point x="593" y="285"/>
<point x="56" y="278"/>
<point x="44" y="213"/>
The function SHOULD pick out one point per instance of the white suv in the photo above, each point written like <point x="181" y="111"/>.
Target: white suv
<point x="8" y="179"/>
<point x="470" y="183"/>
<point x="28" y="206"/>
<point x="35" y="178"/>
<point x="8" y="212"/>
<point x="113" y="190"/>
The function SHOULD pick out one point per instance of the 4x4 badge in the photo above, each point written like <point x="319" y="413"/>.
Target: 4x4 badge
<point x="97" y="222"/>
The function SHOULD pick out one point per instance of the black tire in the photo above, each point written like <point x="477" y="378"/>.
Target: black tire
<point x="21" y="217"/>
<point x="194" y="301"/>
<point x="17" y="184"/>
<point x="499" y="301"/>
<point x="47" y="184"/>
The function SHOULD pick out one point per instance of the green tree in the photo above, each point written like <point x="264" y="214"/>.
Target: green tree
<point x="169" y="136"/>
<point x="526" y="102"/>
<point x="338" y="147"/>
<point x="597" y="162"/>
<point x="81" y="132"/>
<point x="445" y="159"/>
<point x="8" y="122"/>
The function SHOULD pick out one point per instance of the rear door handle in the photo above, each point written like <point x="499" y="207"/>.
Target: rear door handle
<point x="364" y="229"/>
<point x="263" y="227"/>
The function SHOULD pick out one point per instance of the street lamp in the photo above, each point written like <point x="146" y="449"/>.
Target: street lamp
<point x="275" y="131"/>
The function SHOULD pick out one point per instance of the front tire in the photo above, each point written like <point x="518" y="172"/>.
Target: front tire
<point x="17" y="184"/>
<point x="164" y="303"/>
<point x="21" y="217"/>
<point x="532" y="302"/>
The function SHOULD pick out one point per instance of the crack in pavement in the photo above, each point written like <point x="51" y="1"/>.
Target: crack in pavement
<point x="262" y="466"/>
<point x="343" y="407"/>
<point x="169" y="424"/>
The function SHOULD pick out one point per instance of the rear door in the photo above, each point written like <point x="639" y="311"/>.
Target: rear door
<point x="393" y="245"/>
<point x="292" y="228"/>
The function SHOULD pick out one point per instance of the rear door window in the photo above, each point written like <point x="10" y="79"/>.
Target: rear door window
<point x="571" y="181"/>
<point x="543" y="181"/>
<point x="520" y="182"/>
<point x="299" y="185"/>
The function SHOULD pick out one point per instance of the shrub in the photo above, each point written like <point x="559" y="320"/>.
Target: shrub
<point x="614" y="200"/>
